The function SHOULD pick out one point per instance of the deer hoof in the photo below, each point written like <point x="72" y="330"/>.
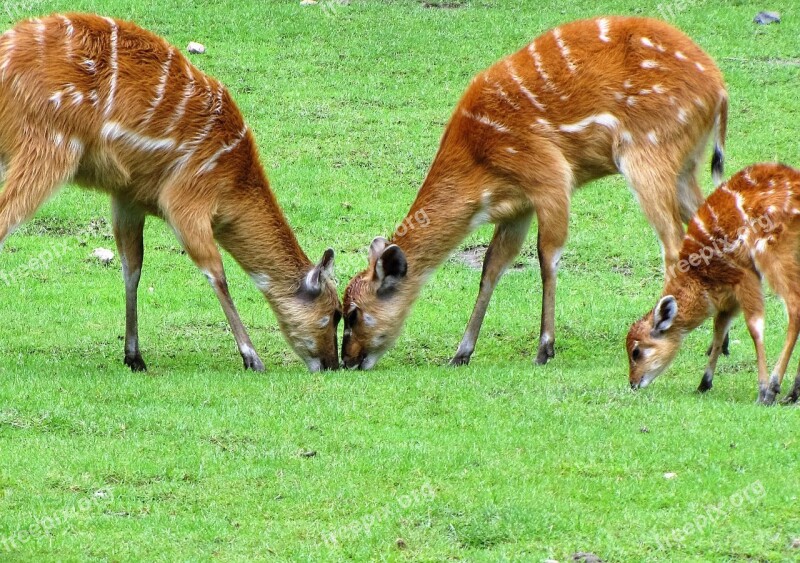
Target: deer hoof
<point x="460" y="360"/>
<point x="136" y="363"/>
<point x="546" y="352"/>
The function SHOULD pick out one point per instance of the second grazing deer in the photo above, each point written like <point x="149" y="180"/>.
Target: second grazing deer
<point x="748" y="228"/>
<point x="588" y="99"/>
<point x="108" y="105"/>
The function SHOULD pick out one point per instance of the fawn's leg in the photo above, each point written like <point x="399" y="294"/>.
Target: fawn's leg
<point x="722" y="323"/>
<point x="749" y="295"/>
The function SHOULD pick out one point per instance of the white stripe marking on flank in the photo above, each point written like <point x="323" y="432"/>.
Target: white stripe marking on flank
<point x="486" y="121"/>
<point x="565" y="53"/>
<point x="112" y="87"/>
<point x="211" y="163"/>
<point x="605" y="119"/>
<point x="114" y="131"/>
<point x="527" y="93"/>
<point x="161" y="86"/>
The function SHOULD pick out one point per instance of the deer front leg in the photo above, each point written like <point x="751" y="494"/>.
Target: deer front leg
<point x="198" y="240"/>
<point x="722" y="323"/>
<point x="553" y="222"/>
<point x="506" y="244"/>
<point x="128" y="222"/>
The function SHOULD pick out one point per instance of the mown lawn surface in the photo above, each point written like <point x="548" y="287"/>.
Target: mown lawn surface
<point x="197" y="460"/>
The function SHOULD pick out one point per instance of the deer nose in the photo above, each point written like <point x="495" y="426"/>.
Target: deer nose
<point x="328" y="364"/>
<point x="634" y="386"/>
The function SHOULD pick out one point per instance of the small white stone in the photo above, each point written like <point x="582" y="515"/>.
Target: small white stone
<point x="196" y="48"/>
<point x="670" y="475"/>
<point x="104" y="255"/>
<point x="308" y="2"/>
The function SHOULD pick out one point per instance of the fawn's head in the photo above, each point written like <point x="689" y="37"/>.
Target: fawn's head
<point x="375" y="306"/>
<point x="310" y="316"/>
<point x="653" y="342"/>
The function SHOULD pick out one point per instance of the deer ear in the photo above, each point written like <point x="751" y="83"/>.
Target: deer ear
<point x="352" y="316"/>
<point x="321" y="272"/>
<point x="377" y="247"/>
<point x="664" y="314"/>
<point x="390" y="267"/>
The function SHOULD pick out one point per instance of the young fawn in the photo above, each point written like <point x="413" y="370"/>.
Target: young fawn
<point x="748" y="228"/>
<point x="107" y="105"/>
<point x="585" y="100"/>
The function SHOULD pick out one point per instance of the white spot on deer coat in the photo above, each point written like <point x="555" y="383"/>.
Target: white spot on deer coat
<point x="603" y="26"/>
<point x="652" y="137"/>
<point x="56" y="98"/>
<point x="649" y="63"/>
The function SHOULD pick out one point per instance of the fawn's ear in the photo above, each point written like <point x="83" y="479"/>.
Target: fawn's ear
<point x="323" y="271"/>
<point x="664" y="314"/>
<point x="390" y="267"/>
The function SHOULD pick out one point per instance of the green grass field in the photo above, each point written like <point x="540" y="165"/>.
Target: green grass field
<point x="500" y="460"/>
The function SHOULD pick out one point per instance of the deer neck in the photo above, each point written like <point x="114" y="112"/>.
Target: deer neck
<point x="448" y="207"/>
<point x="694" y="302"/>
<point x="260" y="239"/>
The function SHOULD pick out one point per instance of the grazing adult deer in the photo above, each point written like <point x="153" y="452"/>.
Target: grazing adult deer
<point x="748" y="228"/>
<point x="585" y="100"/>
<point x="105" y="104"/>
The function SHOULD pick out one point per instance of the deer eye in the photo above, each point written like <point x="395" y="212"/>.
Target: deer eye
<point x="337" y="317"/>
<point x="636" y="354"/>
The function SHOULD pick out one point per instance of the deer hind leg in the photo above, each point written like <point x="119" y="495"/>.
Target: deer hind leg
<point x="783" y="277"/>
<point x="196" y="235"/>
<point x="553" y="224"/>
<point x="128" y="221"/>
<point x="776" y="378"/>
<point x="750" y="297"/>
<point x="690" y="196"/>
<point x="506" y="244"/>
<point x="33" y="175"/>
